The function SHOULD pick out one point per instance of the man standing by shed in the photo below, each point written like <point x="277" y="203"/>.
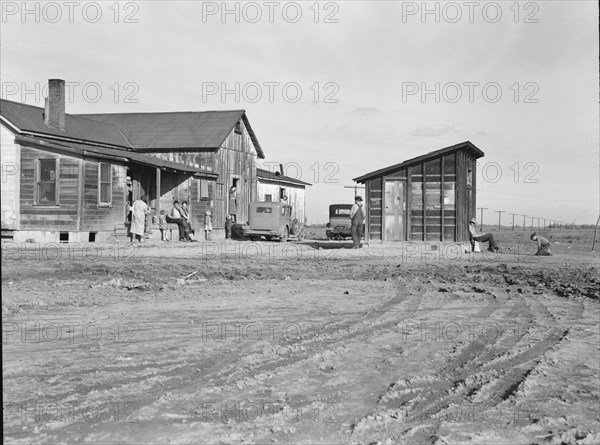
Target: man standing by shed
<point x="357" y="216"/>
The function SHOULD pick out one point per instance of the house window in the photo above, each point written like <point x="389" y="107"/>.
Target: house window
<point x="105" y="184"/>
<point x="238" y="128"/>
<point x="219" y="190"/>
<point x="203" y="193"/>
<point x="47" y="182"/>
<point x="268" y="198"/>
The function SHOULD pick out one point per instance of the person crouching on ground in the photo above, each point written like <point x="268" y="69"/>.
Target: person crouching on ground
<point x="482" y="237"/>
<point x="543" y="245"/>
<point x="357" y="216"/>
<point x="208" y="226"/>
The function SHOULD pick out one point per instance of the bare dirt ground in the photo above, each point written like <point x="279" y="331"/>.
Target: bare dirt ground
<point x="268" y="343"/>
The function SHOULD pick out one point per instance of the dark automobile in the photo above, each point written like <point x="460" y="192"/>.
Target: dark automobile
<point x="338" y="227"/>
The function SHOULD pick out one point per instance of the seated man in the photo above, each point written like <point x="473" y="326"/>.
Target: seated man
<point x="176" y="217"/>
<point x="543" y="245"/>
<point x="482" y="237"/>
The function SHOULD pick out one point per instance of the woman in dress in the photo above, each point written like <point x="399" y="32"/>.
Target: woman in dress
<point x="138" y="219"/>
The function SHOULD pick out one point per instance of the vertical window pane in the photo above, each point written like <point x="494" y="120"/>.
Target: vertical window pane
<point x="449" y="197"/>
<point x="416" y="210"/>
<point x="105" y="172"/>
<point x="433" y="200"/>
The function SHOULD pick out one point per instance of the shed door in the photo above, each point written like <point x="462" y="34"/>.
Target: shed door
<point x="395" y="209"/>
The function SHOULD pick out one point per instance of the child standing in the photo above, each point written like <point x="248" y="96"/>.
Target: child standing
<point x="543" y="245"/>
<point x="228" y="225"/>
<point x="208" y="226"/>
<point x="162" y="225"/>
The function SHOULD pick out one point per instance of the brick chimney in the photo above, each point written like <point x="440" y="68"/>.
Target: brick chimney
<point x="55" y="104"/>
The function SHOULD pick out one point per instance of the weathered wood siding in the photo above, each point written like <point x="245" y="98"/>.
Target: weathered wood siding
<point x="236" y="159"/>
<point x="375" y="208"/>
<point x="295" y="194"/>
<point x="60" y="217"/>
<point x="95" y="217"/>
<point x="10" y="188"/>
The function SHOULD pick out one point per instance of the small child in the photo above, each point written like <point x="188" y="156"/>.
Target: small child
<point x="208" y="226"/>
<point x="162" y="225"/>
<point x="543" y="245"/>
<point x="228" y="224"/>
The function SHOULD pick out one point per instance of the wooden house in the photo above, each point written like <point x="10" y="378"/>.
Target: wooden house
<point x="64" y="176"/>
<point x="219" y="145"/>
<point x="428" y="198"/>
<point x="276" y="187"/>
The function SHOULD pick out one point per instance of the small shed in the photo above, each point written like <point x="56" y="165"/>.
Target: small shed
<point x="428" y="198"/>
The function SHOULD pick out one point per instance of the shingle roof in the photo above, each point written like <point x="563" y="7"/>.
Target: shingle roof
<point x="177" y="130"/>
<point x="28" y="118"/>
<point x="467" y="146"/>
<point x="270" y="176"/>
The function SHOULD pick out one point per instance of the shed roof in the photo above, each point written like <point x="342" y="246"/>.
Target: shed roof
<point x="178" y="130"/>
<point x="30" y="119"/>
<point x="466" y="146"/>
<point x="268" y="175"/>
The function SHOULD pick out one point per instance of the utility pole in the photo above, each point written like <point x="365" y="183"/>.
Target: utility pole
<point x="538" y="224"/>
<point x="532" y="218"/>
<point x="499" y="212"/>
<point x="481" y="219"/>
<point x="524" y="223"/>
<point x="356" y="188"/>
<point x="513" y="221"/>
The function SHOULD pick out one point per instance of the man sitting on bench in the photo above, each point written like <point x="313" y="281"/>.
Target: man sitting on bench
<point x="176" y="218"/>
<point x="482" y="237"/>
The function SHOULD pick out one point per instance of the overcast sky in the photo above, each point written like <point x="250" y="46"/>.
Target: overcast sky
<point x="337" y="87"/>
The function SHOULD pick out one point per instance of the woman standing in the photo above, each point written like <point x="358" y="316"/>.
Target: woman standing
<point x="138" y="219"/>
<point x="233" y="203"/>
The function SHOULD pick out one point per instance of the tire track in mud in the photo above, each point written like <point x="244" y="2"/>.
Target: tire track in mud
<point x="493" y="370"/>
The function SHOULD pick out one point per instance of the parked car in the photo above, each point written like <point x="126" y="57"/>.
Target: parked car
<point x="272" y="220"/>
<point x="338" y="227"/>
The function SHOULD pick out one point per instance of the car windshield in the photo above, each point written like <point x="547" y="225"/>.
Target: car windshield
<point x="264" y="210"/>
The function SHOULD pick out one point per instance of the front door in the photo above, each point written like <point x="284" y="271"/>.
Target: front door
<point x="395" y="208"/>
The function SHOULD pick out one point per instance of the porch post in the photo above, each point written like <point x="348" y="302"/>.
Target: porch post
<point x="157" y="191"/>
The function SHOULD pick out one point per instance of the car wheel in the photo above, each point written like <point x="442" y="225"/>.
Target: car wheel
<point x="285" y="234"/>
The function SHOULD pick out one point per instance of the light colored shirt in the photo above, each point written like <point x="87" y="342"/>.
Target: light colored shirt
<point x="355" y="208"/>
<point x="473" y="230"/>
<point x="175" y="213"/>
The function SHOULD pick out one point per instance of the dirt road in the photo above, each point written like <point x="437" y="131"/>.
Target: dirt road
<point x="191" y="345"/>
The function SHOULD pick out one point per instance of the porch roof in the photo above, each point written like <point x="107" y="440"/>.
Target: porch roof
<point x="112" y="154"/>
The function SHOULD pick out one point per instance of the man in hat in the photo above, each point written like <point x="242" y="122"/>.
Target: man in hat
<point x="482" y="237"/>
<point x="357" y="216"/>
